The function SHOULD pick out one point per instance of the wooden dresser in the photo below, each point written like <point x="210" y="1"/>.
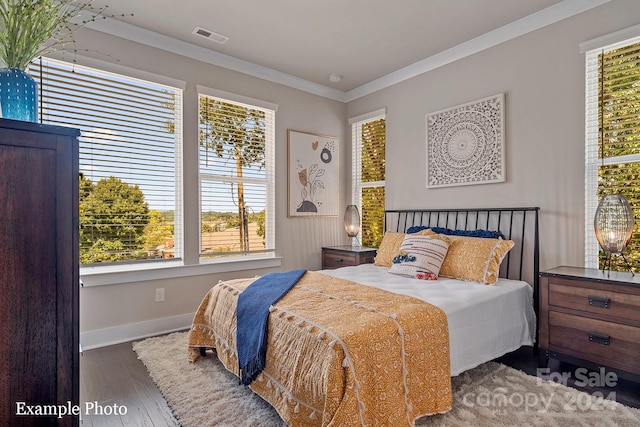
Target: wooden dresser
<point x="592" y="316"/>
<point x="344" y="256"/>
<point x="39" y="329"/>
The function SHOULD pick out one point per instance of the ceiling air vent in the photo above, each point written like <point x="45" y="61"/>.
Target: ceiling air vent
<point x="218" y="38"/>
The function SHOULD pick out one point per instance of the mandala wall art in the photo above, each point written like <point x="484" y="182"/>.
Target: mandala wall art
<point x="313" y="174"/>
<point x="465" y="144"/>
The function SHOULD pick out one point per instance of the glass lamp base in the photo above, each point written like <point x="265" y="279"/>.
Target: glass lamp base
<point x="353" y="242"/>
<point x="607" y="263"/>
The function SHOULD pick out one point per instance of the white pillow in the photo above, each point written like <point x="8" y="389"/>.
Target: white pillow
<point x="420" y="256"/>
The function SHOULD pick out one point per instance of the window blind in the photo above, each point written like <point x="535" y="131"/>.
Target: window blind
<point x="130" y="149"/>
<point x="368" y="169"/>
<point x="612" y="139"/>
<point x="237" y="178"/>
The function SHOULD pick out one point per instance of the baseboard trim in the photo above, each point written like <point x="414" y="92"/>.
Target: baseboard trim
<point x="134" y="331"/>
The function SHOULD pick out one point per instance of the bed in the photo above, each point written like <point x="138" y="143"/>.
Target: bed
<point x="362" y="346"/>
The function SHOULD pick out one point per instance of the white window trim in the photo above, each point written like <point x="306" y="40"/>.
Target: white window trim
<point x="591" y="49"/>
<point x="356" y="158"/>
<point x="130" y="273"/>
<point x="121" y="273"/>
<point x="610" y="41"/>
<point x="270" y="237"/>
<point x="591" y="161"/>
<point x="382" y="112"/>
<point x="241" y="99"/>
<point x="118" y="69"/>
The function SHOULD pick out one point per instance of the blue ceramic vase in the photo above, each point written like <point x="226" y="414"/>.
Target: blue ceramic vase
<point x="18" y="95"/>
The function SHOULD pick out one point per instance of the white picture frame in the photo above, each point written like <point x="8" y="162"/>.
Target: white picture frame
<point x="465" y="144"/>
<point x="313" y="174"/>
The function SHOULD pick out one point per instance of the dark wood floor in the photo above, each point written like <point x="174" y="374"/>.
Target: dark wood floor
<point x="114" y="375"/>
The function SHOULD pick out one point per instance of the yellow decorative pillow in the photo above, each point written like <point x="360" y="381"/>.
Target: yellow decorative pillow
<point x="475" y="259"/>
<point x="389" y="247"/>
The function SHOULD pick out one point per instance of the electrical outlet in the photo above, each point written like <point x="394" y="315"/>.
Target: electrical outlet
<point x="159" y="294"/>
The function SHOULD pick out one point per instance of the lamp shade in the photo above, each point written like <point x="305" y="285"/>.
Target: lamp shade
<point x="614" y="223"/>
<point x="352" y="221"/>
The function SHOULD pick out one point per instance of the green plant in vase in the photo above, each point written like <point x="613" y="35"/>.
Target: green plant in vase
<point x="28" y="30"/>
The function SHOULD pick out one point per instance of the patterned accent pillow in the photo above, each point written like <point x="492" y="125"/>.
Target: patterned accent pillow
<point x="475" y="259"/>
<point x="420" y="256"/>
<point x="389" y="247"/>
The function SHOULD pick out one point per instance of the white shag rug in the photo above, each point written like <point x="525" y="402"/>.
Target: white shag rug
<point x="204" y="393"/>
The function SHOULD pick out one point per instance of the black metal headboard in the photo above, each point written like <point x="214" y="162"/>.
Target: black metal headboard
<point x="517" y="224"/>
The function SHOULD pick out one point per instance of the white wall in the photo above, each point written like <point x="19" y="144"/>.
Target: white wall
<point x="542" y="75"/>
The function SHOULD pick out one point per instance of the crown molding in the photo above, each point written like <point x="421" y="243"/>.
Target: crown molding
<point x="535" y="21"/>
<point x="170" y="44"/>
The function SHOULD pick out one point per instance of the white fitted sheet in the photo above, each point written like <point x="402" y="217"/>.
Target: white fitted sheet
<point x="485" y="321"/>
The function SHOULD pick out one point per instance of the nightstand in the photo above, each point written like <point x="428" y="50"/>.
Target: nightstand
<point x="343" y="256"/>
<point x="587" y="315"/>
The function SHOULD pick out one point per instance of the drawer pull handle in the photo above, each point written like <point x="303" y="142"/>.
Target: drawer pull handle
<point x="338" y="260"/>
<point x="599" y="338"/>
<point x="599" y="301"/>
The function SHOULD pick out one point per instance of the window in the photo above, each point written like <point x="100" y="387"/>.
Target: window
<point x="368" y="136"/>
<point x="612" y="140"/>
<point x="237" y="181"/>
<point x="129" y="159"/>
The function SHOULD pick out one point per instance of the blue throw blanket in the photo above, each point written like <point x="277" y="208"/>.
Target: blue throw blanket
<point x="252" y="314"/>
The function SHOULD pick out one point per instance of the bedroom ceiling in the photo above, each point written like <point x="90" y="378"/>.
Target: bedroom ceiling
<point x="360" y="40"/>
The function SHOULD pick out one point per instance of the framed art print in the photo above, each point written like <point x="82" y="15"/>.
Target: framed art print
<point x="313" y="174"/>
<point x="465" y="144"/>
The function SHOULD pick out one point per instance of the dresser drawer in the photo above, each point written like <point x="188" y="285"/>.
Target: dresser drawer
<point x="332" y="259"/>
<point x="607" y="343"/>
<point x="612" y="303"/>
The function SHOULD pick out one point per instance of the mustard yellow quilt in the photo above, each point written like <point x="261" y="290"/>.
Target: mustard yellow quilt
<point x="339" y="353"/>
